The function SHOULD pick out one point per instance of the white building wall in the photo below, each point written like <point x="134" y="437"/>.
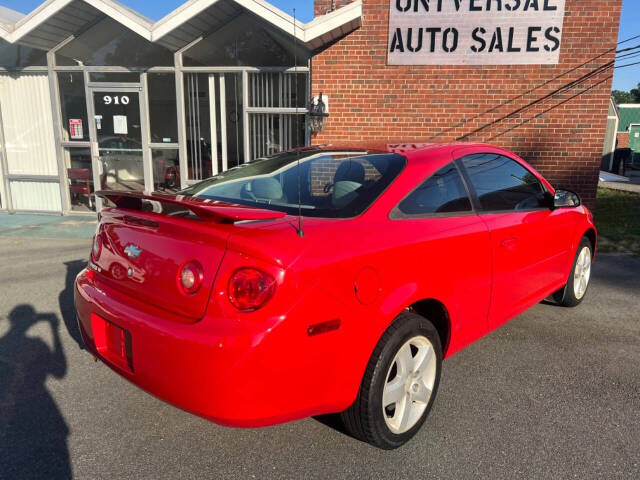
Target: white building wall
<point x="28" y="124"/>
<point x="31" y="195"/>
<point x="29" y="141"/>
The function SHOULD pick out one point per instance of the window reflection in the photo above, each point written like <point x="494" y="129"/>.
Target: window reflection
<point x="246" y="42"/>
<point x="109" y="43"/>
<point x="166" y="170"/>
<point x="19" y="56"/>
<point x="162" y="107"/>
<point x="80" y="179"/>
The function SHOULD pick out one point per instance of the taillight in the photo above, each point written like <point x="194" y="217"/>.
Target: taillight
<point x="250" y="288"/>
<point x="190" y="277"/>
<point x="96" y="250"/>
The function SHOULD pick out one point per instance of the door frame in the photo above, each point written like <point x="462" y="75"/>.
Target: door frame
<point x="110" y="87"/>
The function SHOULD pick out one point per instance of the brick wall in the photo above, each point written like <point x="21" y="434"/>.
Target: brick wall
<point x="623" y="140"/>
<point x="554" y="116"/>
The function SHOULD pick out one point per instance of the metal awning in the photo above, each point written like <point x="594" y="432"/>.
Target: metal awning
<point x="56" y="20"/>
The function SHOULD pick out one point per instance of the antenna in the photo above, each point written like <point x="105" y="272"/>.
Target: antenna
<point x="300" y="231"/>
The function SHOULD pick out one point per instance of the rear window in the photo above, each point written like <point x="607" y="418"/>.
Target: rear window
<point x="338" y="184"/>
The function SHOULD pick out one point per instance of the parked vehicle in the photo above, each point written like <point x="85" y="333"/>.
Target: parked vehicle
<point x="327" y="280"/>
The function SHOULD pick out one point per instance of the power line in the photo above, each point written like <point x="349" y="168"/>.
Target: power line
<point x="630" y="51"/>
<point x="628" y="56"/>
<point x="628" y="65"/>
<point x="628" y="40"/>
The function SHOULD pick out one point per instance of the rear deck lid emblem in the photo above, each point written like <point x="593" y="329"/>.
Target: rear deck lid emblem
<point x="132" y="251"/>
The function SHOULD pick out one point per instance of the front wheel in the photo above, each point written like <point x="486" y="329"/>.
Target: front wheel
<point x="576" y="288"/>
<point x="399" y="384"/>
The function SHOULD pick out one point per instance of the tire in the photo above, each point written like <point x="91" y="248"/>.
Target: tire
<point x="391" y="365"/>
<point x="572" y="294"/>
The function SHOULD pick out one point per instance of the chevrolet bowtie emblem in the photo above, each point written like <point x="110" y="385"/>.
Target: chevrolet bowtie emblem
<point x="132" y="251"/>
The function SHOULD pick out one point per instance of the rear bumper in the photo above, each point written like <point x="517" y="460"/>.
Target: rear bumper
<point x="236" y="374"/>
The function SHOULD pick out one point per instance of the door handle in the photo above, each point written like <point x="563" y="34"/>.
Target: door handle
<point x="509" y="243"/>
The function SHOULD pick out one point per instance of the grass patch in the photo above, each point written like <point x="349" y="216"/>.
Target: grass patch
<point x="617" y="217"/>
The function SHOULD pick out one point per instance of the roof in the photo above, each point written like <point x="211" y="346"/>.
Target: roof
<point x="402" y="146"/>
<point x="56" y="20"/>
<point x="8" y="17"/>
<point x="629" y="114"/>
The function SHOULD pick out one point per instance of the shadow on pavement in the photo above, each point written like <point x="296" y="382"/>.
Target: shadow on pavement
<point x="33" y="433"/>
<point x="66" y="302"/>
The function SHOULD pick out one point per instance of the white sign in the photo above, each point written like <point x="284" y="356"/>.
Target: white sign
<point x="475" y="32"/>
<point x="120" y="125"/>
<point x="75" y="128"/>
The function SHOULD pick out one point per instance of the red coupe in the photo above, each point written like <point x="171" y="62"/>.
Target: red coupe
<point x="327" y="280"/>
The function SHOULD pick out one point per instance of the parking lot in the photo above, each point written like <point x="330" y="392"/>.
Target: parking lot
<point x="553" y="394"/>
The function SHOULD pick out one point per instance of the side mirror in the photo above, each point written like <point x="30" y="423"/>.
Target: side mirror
<point x="566" y="198"/>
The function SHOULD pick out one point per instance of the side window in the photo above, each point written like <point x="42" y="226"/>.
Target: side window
<point x="502" y="183"/>
<point x="442" y="192"/>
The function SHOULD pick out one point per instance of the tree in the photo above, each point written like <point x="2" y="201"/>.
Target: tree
<point x="621" y="96"/>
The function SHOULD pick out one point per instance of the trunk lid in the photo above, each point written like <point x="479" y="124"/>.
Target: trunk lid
<point x="146" y="239"/>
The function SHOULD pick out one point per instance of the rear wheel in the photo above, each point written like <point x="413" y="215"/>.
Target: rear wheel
<point x="399" y="385"/>
<point x="577" y="285"/>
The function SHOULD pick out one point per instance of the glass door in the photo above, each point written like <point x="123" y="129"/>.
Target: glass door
<point x="117" y="132"/>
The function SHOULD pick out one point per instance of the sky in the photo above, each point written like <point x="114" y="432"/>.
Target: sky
<point x="628" y="78"/>
<point x="624" y="78"/>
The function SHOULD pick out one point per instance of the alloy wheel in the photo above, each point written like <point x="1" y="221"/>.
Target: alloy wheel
<point x="409" y="384"/>
<point x="582" y="273"/>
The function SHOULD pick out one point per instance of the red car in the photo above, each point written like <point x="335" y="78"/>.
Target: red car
<point x="327" y="280"/>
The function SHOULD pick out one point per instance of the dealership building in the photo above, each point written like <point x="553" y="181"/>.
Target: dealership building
<point x="94" y="96"/>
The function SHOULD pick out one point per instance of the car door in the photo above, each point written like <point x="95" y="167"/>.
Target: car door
<point x="530" y="242"/>
<point x="448" y="246"/>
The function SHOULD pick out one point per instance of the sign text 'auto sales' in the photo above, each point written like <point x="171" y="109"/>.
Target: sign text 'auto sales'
<point x="475" y="32"/>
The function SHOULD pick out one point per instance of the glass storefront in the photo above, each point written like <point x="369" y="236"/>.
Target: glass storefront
<point x="130" y="116"/>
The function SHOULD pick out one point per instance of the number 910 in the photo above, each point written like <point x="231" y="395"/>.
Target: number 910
<point x="116" y="100"/>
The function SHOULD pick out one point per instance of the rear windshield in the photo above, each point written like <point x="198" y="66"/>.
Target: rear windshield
<point x="338" y="184"/>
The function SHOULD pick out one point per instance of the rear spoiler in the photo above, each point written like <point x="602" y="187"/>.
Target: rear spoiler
<point x="209" y="210"/>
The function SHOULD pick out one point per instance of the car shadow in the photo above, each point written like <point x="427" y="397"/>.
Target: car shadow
<point x="66" y="301"/>
<point x="33" y="432"/>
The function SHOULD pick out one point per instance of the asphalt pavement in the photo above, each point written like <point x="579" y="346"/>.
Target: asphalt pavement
<point x="553" y="394"/>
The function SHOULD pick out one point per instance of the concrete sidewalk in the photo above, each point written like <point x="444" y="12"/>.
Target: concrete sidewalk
<point x="624" y="187"/>
<point x="632" y="185"/>
<point x="47" y="226"/>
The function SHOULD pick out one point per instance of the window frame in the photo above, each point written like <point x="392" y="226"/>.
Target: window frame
<point x="475" y="198"/>
<point x="397" y="214"/>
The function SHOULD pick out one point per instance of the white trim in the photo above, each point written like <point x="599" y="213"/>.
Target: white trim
<point x="223" y="123"/>
<point x="333" y="21"/>
<point x="213" y="124"/>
